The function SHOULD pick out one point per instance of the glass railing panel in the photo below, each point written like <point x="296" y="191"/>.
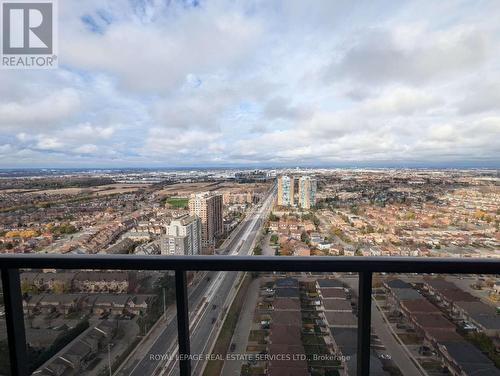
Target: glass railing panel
<point x="4" y="345"/>
<point x="99" y="322"/>
<point x="436" y="324"/>
<point x="285" y="323"/>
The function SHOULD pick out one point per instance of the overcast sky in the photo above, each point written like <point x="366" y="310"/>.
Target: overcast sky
<point x="290" y="82"/>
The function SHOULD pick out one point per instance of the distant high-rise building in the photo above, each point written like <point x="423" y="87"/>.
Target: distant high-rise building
<point x="285" y="190"/>
<point x="183" y="237"/>
<point x="208" y="207"/>
<point x="307" y="192"/>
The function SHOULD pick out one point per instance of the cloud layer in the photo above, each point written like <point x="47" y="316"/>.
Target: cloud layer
<point x="223" y="82"/>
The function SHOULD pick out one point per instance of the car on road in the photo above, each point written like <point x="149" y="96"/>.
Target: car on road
<point x="385" y="356"/>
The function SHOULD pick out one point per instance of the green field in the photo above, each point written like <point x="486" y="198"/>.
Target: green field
<point x="177" y="202"/>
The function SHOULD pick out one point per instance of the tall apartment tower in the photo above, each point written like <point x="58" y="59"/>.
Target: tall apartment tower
<point x="183" y="237"/>
<point x="208" y="207"/>
<point x="307" y="192"/>
<point x="285" y="190"/>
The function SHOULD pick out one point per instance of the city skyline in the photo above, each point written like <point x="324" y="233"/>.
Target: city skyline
<point x="381" y="217"/>
<point x="385" y="88"/>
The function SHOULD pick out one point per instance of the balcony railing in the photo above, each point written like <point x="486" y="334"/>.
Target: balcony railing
<point x="365" y="266"/>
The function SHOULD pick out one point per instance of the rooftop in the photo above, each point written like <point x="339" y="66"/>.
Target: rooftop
<point x="330" y="283"/>
<point x="419" y="306"/>
<point x="398" y="284"/>
<point x="470" y="359"/>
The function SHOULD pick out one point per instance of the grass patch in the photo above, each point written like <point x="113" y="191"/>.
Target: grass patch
<point x="312" y="339"/>
<point x="486" y="345"/>
<point x="177" y="202"/>
<point x="258" y="336"/>
<point x="257" y="251"/>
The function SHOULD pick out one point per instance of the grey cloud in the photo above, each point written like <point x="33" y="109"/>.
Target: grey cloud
<point x="42" y="112"/>
<point x="480" y="98"/>
<point x="245" y="82"/>
<point x="280" y="108"/>
<point x="157" y="56"/>
<point x="376" y="57"/>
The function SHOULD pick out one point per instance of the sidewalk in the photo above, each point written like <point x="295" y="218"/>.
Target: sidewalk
<point x="242" y="330"/>
<point x="267" y="250"/>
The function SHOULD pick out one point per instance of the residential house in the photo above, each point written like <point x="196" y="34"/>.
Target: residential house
<point x="115" y="304"/>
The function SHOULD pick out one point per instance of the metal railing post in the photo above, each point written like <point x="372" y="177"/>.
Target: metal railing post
<point x="14" y="319"/>
<point x="183" y="322"/>
<point x="364" y="323"/>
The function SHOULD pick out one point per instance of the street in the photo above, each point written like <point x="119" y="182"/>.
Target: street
<point x="207" y="301"/>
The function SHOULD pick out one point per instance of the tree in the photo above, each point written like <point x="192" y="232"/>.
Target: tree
<point x="59" y="287"/>
<point x="273" y="217"/>
<point x="486" y="345"/>
<point x="305" y="237"/>
<point x="369" y="229"/>
<point x="355" y="209"/>
<point x="316" y="221"/>
<point x="65" y="228"/>
<point x="336" y="231"/>
<point x="307" y="217"/>
<point x="257" y="250"/>
<point x="410" y="215"/>
<point x="26" y="287"/>
<point x="286" y="249"/>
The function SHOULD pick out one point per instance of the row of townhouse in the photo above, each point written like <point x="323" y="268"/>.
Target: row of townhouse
<point x="99" y="304"/>
<point x="463" y="306"/>
<point x="339" y="312"/>
<point x="291" y="226"/>
<point x="81" y="281"/>
<point x="285" y="330"/>
<point x="456" y="354"/>
<point x="78" y="355"/>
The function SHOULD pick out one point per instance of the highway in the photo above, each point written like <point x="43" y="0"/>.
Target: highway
<point x="208" y="302"/>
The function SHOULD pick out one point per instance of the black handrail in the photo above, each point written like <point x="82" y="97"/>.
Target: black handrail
<point x="255" y="263"/>
<point x="365" y="266"/>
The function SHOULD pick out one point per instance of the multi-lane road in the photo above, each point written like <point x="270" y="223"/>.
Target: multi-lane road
<point x="208" y="304"/>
